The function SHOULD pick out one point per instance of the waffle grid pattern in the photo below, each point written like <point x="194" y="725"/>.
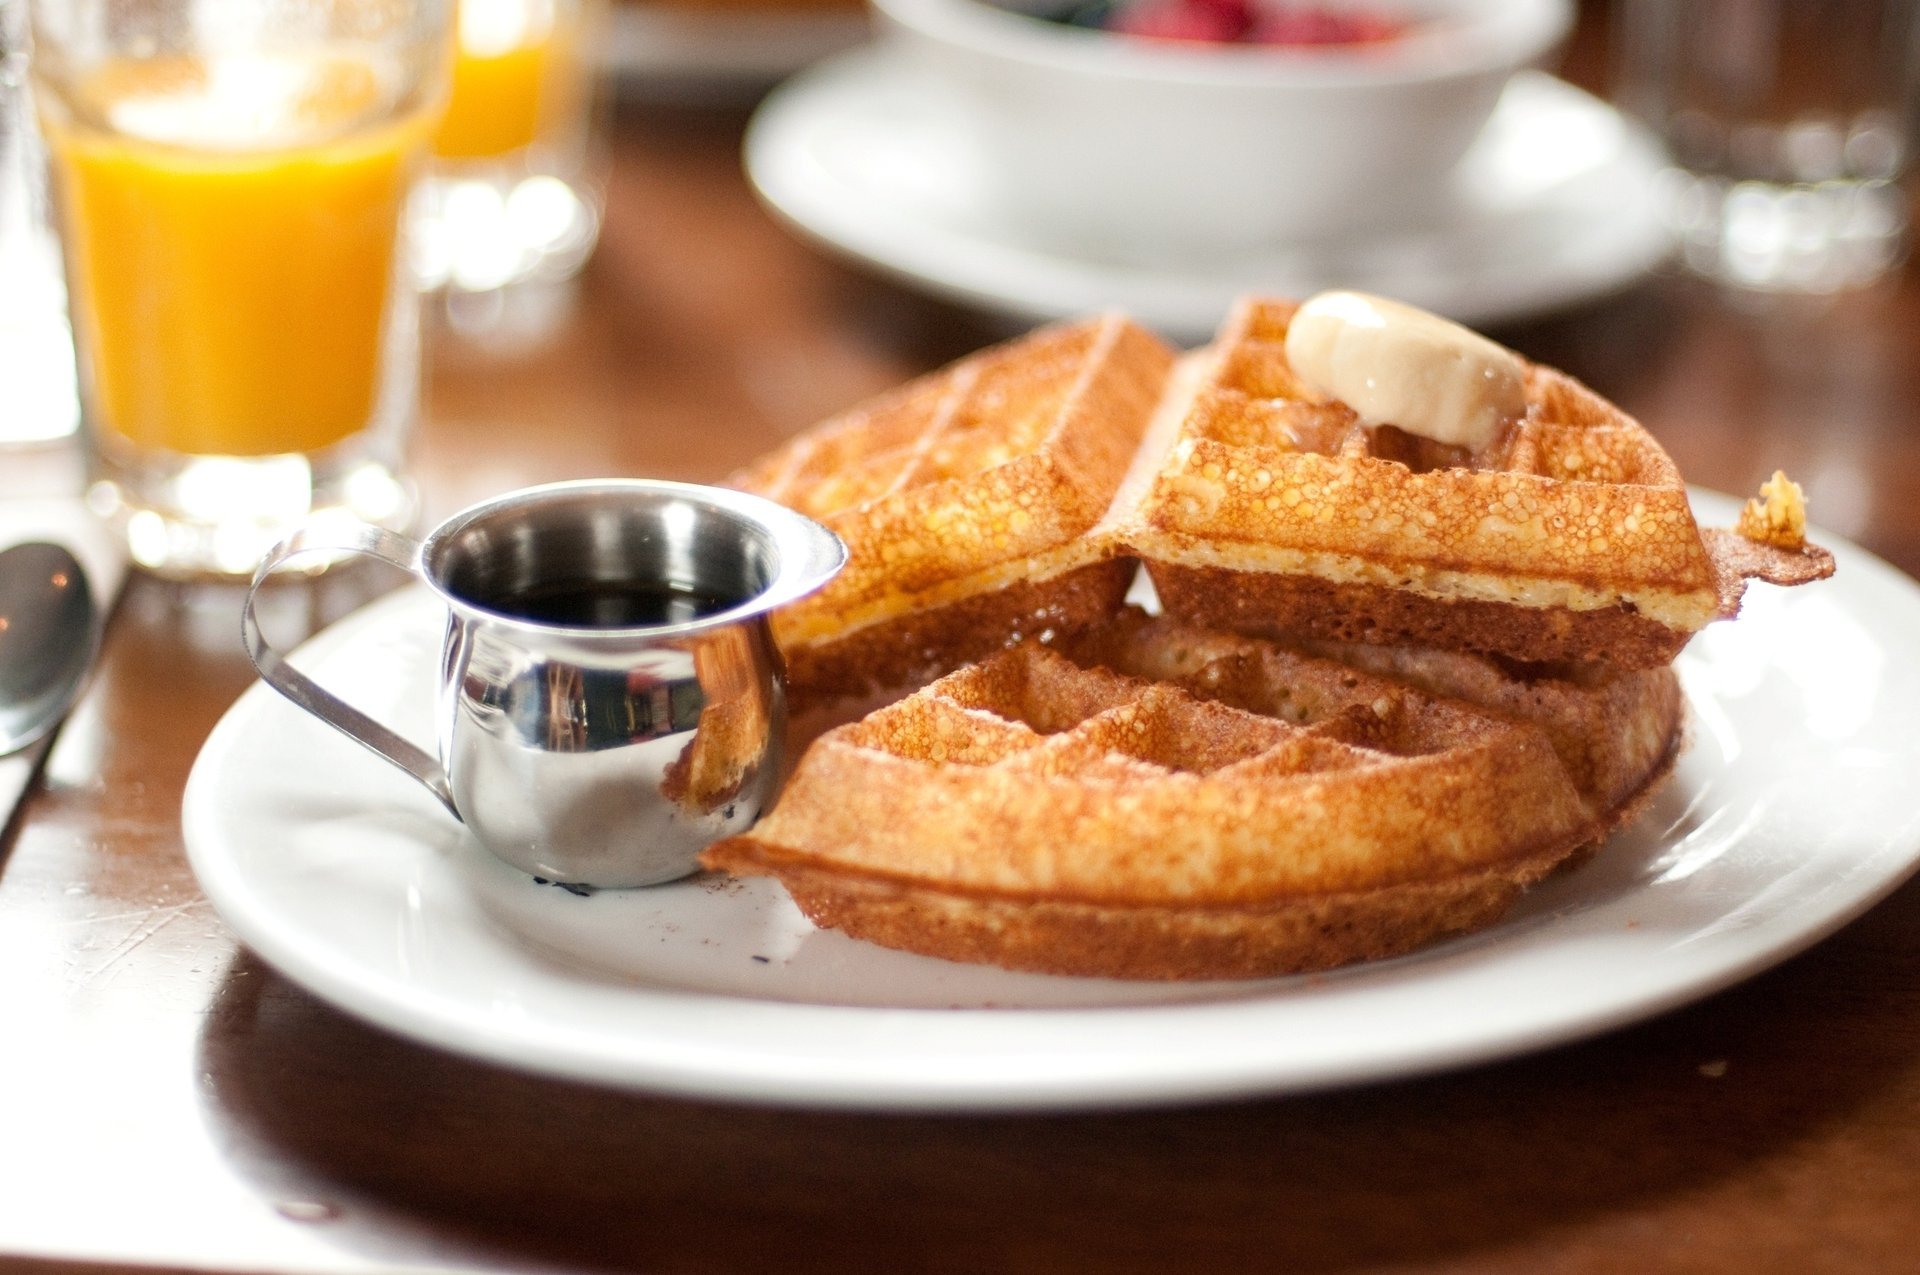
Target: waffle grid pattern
<point x="1159" y="761"/>
<point x="1001" y="457"/>
<point x="1261" y="402"/>
<point x="1575" y="490"/>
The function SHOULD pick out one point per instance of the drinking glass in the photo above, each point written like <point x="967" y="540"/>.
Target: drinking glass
<point x="36" y="351"/>
<point x="1787" y="121"/>
<point x="515" y="189"/>
<point x="230" y="180"/>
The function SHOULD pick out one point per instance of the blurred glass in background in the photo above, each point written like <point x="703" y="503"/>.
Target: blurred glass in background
<point x="1788" y="122"/>
<point x="231" y="181"/>
<point x="515" y="190"/>
<point x="36" y="348"/>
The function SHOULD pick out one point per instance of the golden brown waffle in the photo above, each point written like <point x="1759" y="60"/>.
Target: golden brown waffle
<point x="1170" y="803"/>
<point x="1274" y="511"/>
<point x="964" y="499"/>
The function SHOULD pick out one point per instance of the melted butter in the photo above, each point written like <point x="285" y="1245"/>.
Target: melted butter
<point x="1397" y="365"/>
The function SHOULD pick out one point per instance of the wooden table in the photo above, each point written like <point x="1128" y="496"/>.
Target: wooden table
<point x="167" y="1099"/>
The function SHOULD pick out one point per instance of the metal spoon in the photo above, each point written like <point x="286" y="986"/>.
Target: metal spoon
<point x="48" y="636"/>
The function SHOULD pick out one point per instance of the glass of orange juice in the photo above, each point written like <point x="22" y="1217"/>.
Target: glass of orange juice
<point x="515" y="189"/>
<point x="230" y="180"/>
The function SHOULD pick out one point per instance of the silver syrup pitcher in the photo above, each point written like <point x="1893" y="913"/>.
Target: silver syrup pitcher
<point x="611" y="700"/>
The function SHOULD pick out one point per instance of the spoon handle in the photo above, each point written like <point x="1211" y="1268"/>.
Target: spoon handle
<point x="374" y="542"/>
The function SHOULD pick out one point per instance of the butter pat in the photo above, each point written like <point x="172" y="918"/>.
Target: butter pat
<point x="1397" y="365"/>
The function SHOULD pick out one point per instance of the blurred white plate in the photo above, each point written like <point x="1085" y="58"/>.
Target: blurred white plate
<point x="1791" y="812"/>
<point x="1554" y="206"/>
<point x="744" y="48"/>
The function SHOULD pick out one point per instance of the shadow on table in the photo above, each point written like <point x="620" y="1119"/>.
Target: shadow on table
<point x="408" y="1153"/>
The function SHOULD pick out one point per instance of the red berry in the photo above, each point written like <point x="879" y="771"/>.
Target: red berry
<point x="1312" y="25"/>
<point x="1180" y="20"/>
<point x="1236" y="13"/>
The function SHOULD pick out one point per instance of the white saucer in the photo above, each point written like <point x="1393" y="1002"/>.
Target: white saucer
<point x="740" y="46"/>
<point x="1555" y="205"/>
<point x="1790" y="813"/>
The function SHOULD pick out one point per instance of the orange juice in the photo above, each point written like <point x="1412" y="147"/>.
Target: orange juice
<point x="515" y="75"/>
<point x="231" y="226"/>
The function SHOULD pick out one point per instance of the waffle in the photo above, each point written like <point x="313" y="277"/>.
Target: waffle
<point x="965" y="499"/>
<point x="1154" y="801"/>
<point x="1567" y="538"/>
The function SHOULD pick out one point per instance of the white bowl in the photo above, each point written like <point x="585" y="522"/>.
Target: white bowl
<point x="1159" y="152"/>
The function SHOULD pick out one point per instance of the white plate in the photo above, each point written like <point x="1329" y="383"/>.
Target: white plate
<point x="1791" y="812"/>
<point x="742" y="47"/>
<point x="1555" y="205"/>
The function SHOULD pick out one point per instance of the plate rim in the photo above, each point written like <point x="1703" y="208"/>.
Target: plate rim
<point x="725" y="46"/>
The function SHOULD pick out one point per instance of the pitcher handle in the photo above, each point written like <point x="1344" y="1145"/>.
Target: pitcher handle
<point x="373" y="542"/>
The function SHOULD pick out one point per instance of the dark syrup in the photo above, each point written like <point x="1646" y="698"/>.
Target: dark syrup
<point x="609" y="604"/>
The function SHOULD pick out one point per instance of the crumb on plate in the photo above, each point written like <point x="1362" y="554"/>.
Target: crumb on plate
<point x="1778" y="516"/>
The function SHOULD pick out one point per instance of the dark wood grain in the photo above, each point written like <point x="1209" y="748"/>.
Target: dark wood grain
<point x="167" y="1100"/>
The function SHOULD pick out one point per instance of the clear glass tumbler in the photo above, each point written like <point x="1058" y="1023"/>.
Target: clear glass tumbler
<point x="36" y="350"/>
<point x="516" y="187"/>
<point x="230" y="181"/>
<point x="1787" y="121"/>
